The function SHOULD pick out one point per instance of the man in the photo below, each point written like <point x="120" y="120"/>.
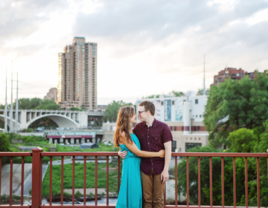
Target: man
<point x="154" y="135"/>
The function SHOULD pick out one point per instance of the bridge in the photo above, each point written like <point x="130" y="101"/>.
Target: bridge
<point x="63" y="118"/>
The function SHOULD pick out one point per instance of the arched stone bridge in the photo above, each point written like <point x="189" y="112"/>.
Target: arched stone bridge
<point x="64" y="119"/>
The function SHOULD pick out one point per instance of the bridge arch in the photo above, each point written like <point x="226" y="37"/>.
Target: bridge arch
<point x="2" y="118"/>
<point x="61" y="120"/>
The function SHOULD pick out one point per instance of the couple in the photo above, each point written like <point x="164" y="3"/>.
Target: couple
<point x="147" y="152"/>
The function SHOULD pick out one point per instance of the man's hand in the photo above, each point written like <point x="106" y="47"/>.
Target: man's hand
<point x="122" y="154"/>
<point x="164" y="176"/>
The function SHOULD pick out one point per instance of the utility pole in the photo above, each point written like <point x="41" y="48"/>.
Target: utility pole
<point x="204" y="90"/>
<point x="17" y="103"/>
<point x="11" y="104"/>
<point x="6" y="102"/>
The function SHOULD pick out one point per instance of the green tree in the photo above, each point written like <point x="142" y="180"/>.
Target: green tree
<point x="48" y="105"/>
<point x="24" y="103"/>
<point x="262" y="145"/>
<point x="176" y="93"/>
<point x="236" y="104"/>
<point x="76" y="109"/>
<point x="37" y="103"/>
<point x="151" y="96"/>
<point x="173" y="92"/>
<point x="2" y="106"/>
<point x="242" y="140"/>
<point x="4" y="146"/>
<point x="5" y="143"/>
<point x="200" y="92"/>
<point x="112" y="109"/>
<point x="216" y="179"/>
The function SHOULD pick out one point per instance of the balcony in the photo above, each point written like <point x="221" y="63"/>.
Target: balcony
<point x="213" y="159"/>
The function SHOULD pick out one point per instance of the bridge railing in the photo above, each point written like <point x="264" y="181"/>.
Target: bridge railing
<point x="11" y="155"/>
<point x="37" y="155"/>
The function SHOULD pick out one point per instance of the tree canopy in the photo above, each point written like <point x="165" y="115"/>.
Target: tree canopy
<point x="35" y="103"/>
<point x="173" y="92"/>
<point x="228" y="179"/>
<point x="242" y="140"/>
<point x="76" y="109"/>
<point x="236" y="104"/>
<point x="200" y="92"/>
<point x="112" y="109"/>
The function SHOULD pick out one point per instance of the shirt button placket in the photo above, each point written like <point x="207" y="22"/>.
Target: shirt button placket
<point x="149" y="147"/>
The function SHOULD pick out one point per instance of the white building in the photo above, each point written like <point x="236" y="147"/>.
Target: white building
<point x="184" y="116"/>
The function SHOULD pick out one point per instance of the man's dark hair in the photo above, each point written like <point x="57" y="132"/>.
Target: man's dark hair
<point x="148" y="106"/>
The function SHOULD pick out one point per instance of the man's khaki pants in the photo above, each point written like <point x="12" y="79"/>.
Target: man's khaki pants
<point x="152" y="190"/>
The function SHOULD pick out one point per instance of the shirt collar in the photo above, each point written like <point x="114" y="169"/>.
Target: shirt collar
<point x="154" y="124"/>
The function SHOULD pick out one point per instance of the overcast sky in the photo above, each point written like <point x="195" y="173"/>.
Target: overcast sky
<point x="144" y="47"/>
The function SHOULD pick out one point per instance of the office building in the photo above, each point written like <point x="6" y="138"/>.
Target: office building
<point x="77" y="75"/>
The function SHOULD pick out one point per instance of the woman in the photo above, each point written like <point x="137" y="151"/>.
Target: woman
<point x="130" y="194"/>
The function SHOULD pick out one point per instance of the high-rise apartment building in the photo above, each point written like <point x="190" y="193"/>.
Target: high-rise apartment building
<point x="77" y="77"/>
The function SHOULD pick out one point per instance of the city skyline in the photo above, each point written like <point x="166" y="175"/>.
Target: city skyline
<point x="144" y="47"/>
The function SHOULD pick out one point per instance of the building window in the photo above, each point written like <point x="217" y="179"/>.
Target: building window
<point x="182" y="128"/>
<point x="175" y="128"/>
<point x="194" y="128"/>
<point x="191" y="145"/>
<point x="171" y="128"/>
<point x="174" y="146"/>
<point x="173" y="102"/>
<point x="196" y="116"/>
<point x="196" y="101"/>
<point x="162" y="103"/>
<point x="198" y="128"/>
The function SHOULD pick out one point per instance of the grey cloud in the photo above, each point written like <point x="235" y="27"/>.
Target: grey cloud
<point x="21" y="18"/>
<point x="22" y="50"/>
<point x="134" y="26"/>
<point x="158" y="19"/>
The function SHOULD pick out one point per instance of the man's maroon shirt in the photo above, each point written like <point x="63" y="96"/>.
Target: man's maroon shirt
<point x="152" y="139"/>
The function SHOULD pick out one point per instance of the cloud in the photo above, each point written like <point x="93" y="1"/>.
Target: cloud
<point x="21" y="18"/>
<point x="144" y="47"/>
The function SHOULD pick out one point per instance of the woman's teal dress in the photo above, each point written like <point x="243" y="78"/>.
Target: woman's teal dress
<point x="130" y="194"/>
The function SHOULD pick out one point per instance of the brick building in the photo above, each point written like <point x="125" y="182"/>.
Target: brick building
<point x="234" y="74"/>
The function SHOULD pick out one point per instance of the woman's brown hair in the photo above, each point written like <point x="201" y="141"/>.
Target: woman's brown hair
<point x="122" y="124"/>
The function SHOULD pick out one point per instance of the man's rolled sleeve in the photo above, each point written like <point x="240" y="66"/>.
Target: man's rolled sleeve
<point x="167" y="135"/>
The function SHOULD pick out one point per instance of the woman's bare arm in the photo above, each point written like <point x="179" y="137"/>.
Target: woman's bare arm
<point x="133" y="148"/>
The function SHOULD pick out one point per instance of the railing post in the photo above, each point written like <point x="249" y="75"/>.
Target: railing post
<point x="36" y="177"/>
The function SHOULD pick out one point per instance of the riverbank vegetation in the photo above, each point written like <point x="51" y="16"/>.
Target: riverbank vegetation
<point x="42" y="142"/>
<point x="236" y="117"/>
<point x="79" y="177"/>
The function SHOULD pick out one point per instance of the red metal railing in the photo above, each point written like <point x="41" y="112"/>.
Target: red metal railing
<point x="38" y="153"/>
<point x="84" y="154"/>
<point x="11" y="155"/>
